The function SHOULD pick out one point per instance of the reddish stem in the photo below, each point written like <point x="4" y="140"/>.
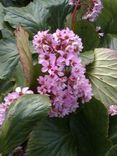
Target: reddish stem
<point x="74" y="15"/>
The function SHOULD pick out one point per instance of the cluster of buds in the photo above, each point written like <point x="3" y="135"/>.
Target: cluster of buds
<point x="64" y="81"/>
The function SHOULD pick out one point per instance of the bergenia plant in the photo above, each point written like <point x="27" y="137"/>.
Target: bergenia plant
<point x="58" y="78"/>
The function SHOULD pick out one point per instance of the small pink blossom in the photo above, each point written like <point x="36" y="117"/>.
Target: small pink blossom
<point x="113" y="110"/>
<point x="10" y="98"/>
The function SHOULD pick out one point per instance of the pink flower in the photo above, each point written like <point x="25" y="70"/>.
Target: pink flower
<point x="93" y="8"/>
<point x="64" y="82"/>
<point x="10" y="98"/>
<point x="113" y="110"/>
<point x="93" y="11"/>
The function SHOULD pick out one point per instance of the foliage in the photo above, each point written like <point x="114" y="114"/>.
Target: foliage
<point x="90" y="131"/>
<point x="26" y="111"/>
<point x="66" y="136"/>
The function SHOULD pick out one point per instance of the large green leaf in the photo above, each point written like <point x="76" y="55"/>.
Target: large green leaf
<point x="112" y="151"/>
<point x="111" y="6"/>
<point x="108" y="21"/>
<point x="113" y="129"/>
<point x="90" y="127"/>
<point x="57" y="12"/>
<point x="6" y="86"/>
<point x="103" y="75"/>
<point x="81" y="134"/>
<point x="87" y="32"/>
<point x="32" y="17"/>
<point x="38" y="15"/>
<point x="20" y="120"/>
<point x="8" y="57"/>
<point x="62" y="9"/>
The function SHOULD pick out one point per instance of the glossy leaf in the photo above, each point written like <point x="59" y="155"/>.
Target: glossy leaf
<point x="8" y="57"/>
<point x="21" y="118"/>
<point x="32" y="17"/>
<point x="77" y="134"/>
<point x="103" y="75"/>
<point x="58" y="19"/>
<point x="38" y="15"/>
<point x="6" y="86"/>
<point x="108" y="22"/>
<point x="87" y="32"/>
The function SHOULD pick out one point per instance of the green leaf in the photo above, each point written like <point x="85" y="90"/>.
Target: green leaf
<point x="39" y="15"/>
<point x="104" y="19"/>
<point x="58" y="19"/>
<point x="81" y="134"/>
<point x="86" y="30"/>
<point x="113" y="129"/>
<point x="21" y="118"/>
<point x="52" y="137"/>
<point x="111" y="6"/>
<point x="103" y="76"/>
<point x="107" y="19"/>
<point x="1" y="16"/>
<point x="108" y="22"/>
<point x="90" y="127"/>
<point x="112" y="151"/>
<point x="6" y="86"/>
<point x="32" y="17"/>
<point x="8" y="57"/>
<point x="87" y="57"/>
<point x="6" y="33"/>
<point x="110" y="41"/>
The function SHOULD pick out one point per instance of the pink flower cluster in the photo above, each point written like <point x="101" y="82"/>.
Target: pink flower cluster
<point x="10" y="98"/>
<point x="64" y="82"/>
<point x="113" y="110"/>
<point x="94" y="9"/>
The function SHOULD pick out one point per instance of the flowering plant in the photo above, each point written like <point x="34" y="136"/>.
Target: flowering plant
<point x="58" y="78"/>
